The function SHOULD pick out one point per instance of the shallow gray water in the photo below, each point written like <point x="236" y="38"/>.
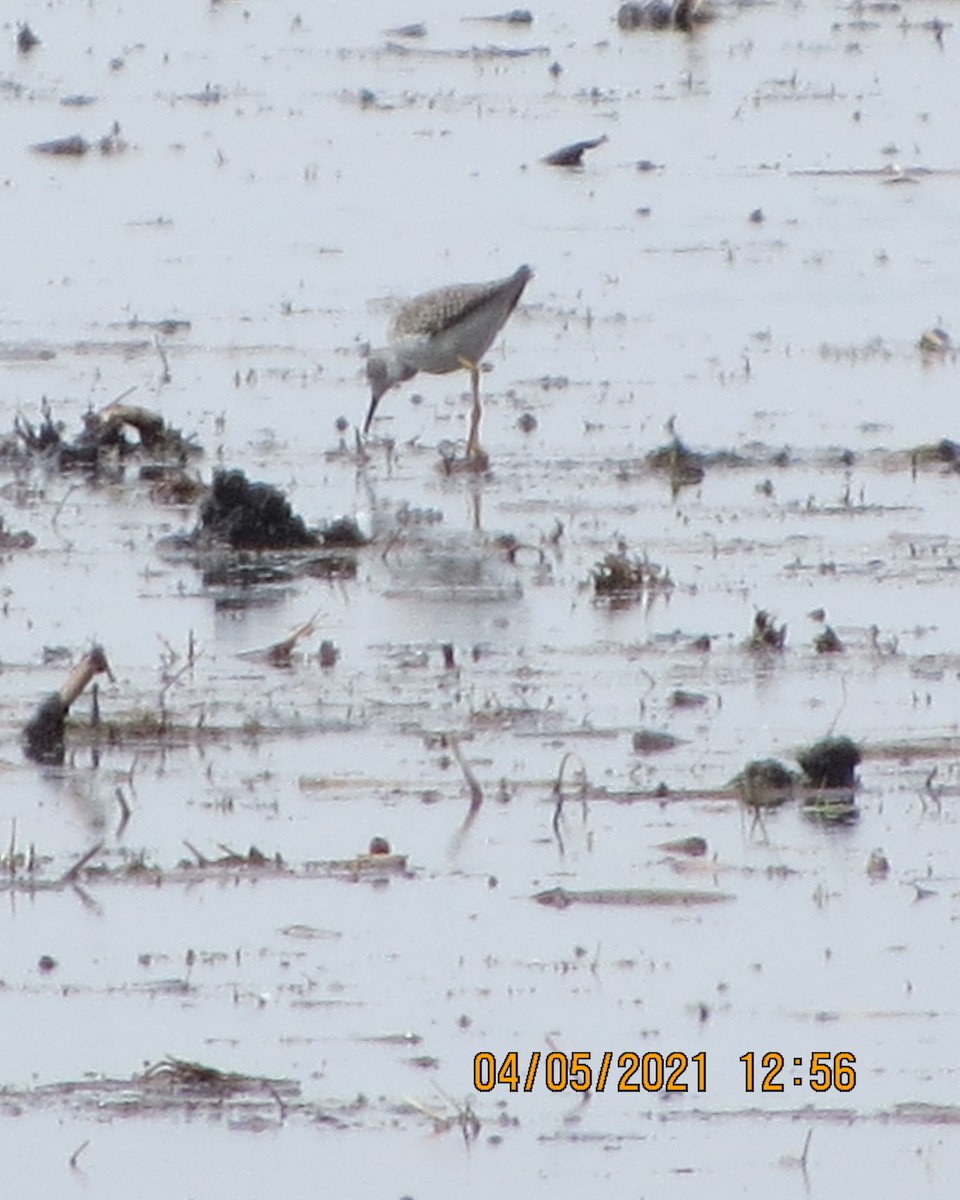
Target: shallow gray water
<point x="263" y="202"/>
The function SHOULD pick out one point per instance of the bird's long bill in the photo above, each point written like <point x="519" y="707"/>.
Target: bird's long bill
<point x="374" y="401"/>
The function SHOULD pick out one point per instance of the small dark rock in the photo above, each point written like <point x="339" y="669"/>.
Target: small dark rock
<point x="935" y="341"/>
<point x="827" y="642"/>
<point x="653" y="741"/>
<point x="516" y="16"/>
<point x="26" y="39"/>
<point x="693" y="847"/>
<point x="415" y="30"/>
<point x="572" y="155"/>
<point x="878" y="865"/>
<point x="74" y="146"/>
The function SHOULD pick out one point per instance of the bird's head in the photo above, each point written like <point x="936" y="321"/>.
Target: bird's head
<point x="384" y="371"/>
<point x="378" y="375"/>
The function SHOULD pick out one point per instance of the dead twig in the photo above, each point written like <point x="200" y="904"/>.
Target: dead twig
<point x="476" y="794"/>
<point x="169" y="680"/>
<point x="59" y="509"/>
<point x="75" y="1156"/>
<point x="71" y="875"/>
<point x="201" y="860"/>
<point x="464" y="1118"/>
<point x="558" y="794"/>
<point x="280" y="653"/>
<point x="125" y="813"/>
<point x="476" y="791"/>
<point x="166" y="376"/>
<point x="278" y="1098"/>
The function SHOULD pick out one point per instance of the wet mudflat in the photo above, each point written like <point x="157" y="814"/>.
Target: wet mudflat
<point x="713" y="395"/>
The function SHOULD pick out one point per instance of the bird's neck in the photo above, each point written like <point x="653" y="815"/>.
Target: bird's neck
<point x="399" y="367"/>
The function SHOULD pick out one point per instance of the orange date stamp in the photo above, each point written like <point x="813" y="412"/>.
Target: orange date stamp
<point x="655" y="1071"/>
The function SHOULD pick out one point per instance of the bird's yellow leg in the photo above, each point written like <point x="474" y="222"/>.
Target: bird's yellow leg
<point x="474" y="450"/>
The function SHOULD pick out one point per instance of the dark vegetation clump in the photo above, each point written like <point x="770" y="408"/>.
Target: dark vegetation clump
<point x="184" y="1075"/>
<point x="10" y="539"/>
<point x="766" y="634"/>
<point x="242" y="515"/>
<point x="251" y="516"/>
<point x="75" y="146"/>
<point x="830" y="763"/>
<point x="620" y="574"/>
<point x="945" y="451"/>
<point x="109" y="437"/>
<point x="683" y="466"/>
<point x="684" y="15"/>
<point x="344" y="532"/>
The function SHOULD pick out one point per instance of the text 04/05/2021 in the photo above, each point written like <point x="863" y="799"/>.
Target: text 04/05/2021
<point x="656" y="1071"/>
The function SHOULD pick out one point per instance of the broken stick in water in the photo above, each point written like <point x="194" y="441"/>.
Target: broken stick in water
<point x="43" y="735"/>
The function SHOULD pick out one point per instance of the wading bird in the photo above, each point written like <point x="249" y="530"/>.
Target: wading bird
<point x="445" y="330"/>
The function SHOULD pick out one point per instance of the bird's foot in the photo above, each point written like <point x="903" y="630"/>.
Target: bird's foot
<point x="475" y="462"/>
